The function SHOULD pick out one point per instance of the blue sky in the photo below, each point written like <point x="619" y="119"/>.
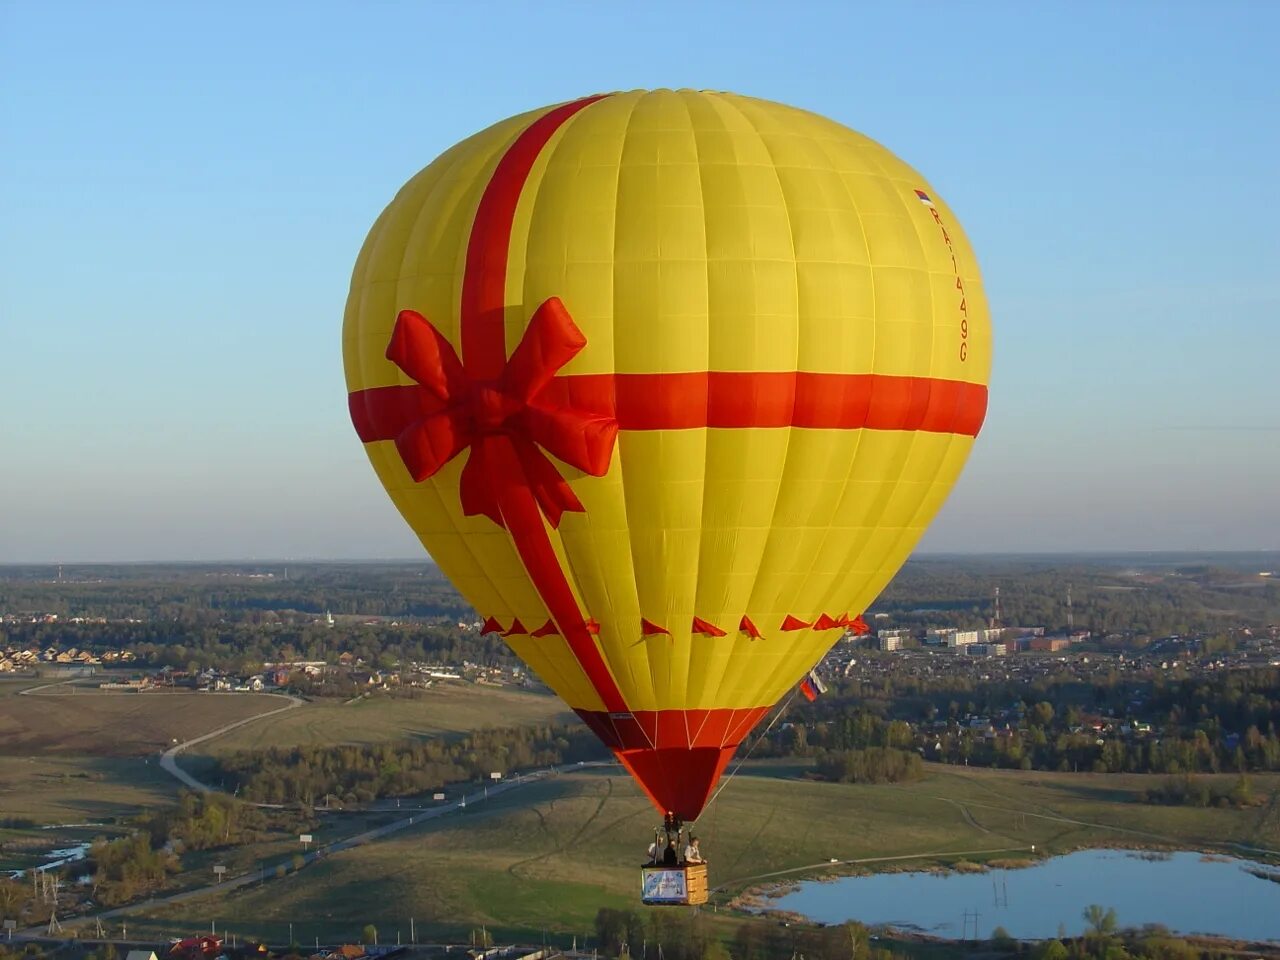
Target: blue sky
<point x="184" y="188"/>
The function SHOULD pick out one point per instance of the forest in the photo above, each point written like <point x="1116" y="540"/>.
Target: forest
<point x="689" y="936"/>
<point x="1228" y="722"/>
<point x="362" y="774"/>
<point x="230" y="614"/>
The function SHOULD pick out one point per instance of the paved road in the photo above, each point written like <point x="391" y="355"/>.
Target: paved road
<point x="487" y="792"/>
<point x="45" y="686"/>
<point x="169" y="759"/>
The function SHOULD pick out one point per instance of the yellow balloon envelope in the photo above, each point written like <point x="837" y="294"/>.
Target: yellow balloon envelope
<point x="669" y="384"/>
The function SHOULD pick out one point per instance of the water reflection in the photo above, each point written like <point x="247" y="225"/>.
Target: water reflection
<point x="1186" y="892"/>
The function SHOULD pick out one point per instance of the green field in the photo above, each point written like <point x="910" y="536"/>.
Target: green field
<point x="547" y="856"/>
<point x="444" y="709"/>
<point x="72" y="755"/>
<point x="544" y="857"/>
<point x="59" y="791"/>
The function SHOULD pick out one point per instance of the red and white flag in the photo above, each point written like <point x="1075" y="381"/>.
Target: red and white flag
<point x="812" y="687"/>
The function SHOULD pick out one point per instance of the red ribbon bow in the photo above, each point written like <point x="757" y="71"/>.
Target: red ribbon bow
<point x="496" y="418"/>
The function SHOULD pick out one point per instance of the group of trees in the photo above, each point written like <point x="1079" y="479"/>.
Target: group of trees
<point x="1104" y="940"/>
<point x="244" y="647"/>
<point x="871" y="765"/>
<point x="1108" y="596"/>
<point x="206" y="821"/>
<point x="854" y="746"/>
<point x="399" y="768"/>
<point x="235" y="617"/>
<point x="1189" y="791"/>
<point x="220" y="615"/>
<point x="229" y="592"/>
<point x="1229" y="722"/>
<point x="126" y="868"/>
<point x="680" y="935"/>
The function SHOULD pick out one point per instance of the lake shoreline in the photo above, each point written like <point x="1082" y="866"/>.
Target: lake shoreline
<point x="906" y="915"/>
<point x="944" y="863"/>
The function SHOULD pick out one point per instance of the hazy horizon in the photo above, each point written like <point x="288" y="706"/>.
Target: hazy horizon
<point x="193" y="184"/>
<point x="424" y="557"/>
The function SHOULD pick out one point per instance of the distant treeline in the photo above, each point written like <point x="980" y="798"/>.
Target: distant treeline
<point x="237" y="610"/>
<point x="1231" y="700"/>
<point x="360" y="774"/>
<point x="681" y="935"/>
<point x="244" y="647"/>
<point x="1224" y="723"/>
<point x="212" y="593"/>
<point x="1107" y="597"/>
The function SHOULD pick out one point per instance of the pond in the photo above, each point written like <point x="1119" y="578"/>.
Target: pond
<point x="1186" y="892"/>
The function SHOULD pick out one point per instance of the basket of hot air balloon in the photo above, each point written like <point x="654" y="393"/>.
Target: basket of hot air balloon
<point x="669" y="384"/>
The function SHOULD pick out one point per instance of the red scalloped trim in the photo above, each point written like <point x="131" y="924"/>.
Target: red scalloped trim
<point x="707" y="629"/>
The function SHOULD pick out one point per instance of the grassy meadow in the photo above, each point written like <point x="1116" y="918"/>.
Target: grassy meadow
<point x="72" y="720"/>
<point x="442" y="710"/>
<point x="547" y="856"/>
<point x="542" y="859"/>
<point x="70" y="754"/>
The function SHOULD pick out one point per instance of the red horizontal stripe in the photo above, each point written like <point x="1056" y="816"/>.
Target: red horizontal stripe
<point x="681" y="401"/>
<point x="673" y="729"/>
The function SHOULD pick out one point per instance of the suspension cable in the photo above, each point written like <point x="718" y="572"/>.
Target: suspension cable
<point x="738" y="766"/>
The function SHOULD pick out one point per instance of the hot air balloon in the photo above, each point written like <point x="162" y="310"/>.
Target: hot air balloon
<point x="669" y="384"/>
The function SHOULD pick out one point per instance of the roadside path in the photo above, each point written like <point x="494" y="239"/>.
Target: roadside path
<point x="488" y="792"/>
<point x="1055" y="817"/>
<point x="27" y="691"/>
<point x="169" y="759"/>
<point x="964" y="812"/>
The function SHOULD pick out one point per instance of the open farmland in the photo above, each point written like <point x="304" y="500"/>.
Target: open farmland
<point x="442" y="710"/>
<point x="71" y="720"/>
